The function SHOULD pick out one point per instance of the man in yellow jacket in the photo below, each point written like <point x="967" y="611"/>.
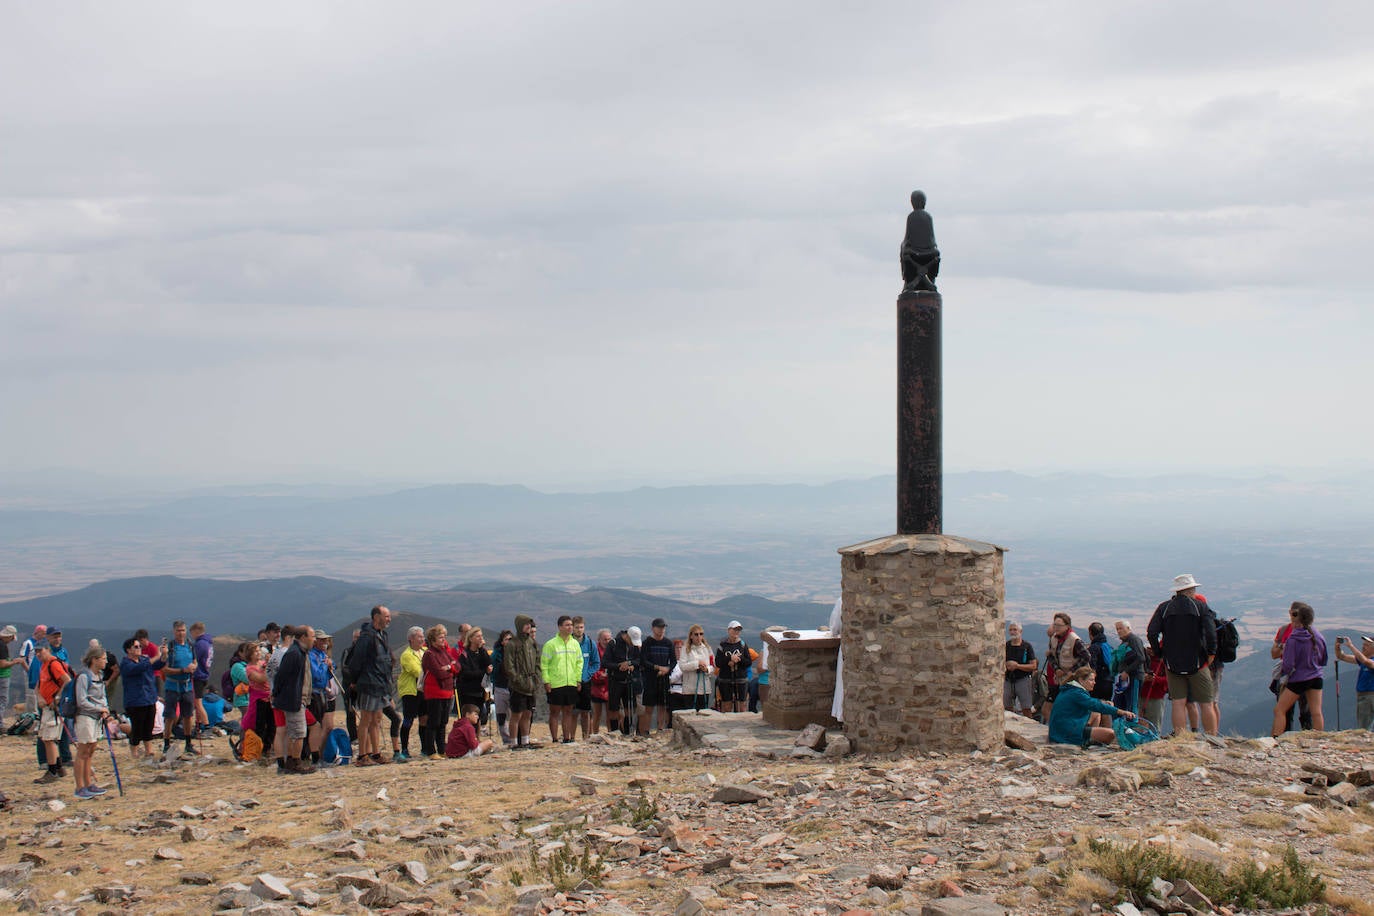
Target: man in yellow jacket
<point x="561" y="664"/>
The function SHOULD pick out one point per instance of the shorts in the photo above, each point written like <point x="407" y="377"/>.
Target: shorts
<point x="656" y="691"/>
<point x="584" y="697"/>
<point x="620" y="695"/>
<point x="199" y="688"/>
<point x="501" y="697"/>
<point x="1301" y="687"/>
<point x="412" y="706"/>
<point x="1195" y="688"/>
<point x="521" y="702"/>
<point x="295" y="724"/>
<point x="87" y="730"/>
<point x="370" y="702"/>
<point x="563" y="696"/>
<point x="174" y="700"/>
<point x="317" y="706"/>
<point x="1087" y="735"/>
<point x="49" y="725"/>
<point x="732" y="691"/>
<point x="1016" y="694"/>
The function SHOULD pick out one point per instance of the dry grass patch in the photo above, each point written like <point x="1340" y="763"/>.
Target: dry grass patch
<point x="1356" y="905"/>
<point x="1361" y="844"/>
<point x="1265" y="820"/>
<point x="812" y="828"/>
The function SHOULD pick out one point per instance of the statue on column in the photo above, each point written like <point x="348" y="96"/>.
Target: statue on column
<point x="919" y="256"/>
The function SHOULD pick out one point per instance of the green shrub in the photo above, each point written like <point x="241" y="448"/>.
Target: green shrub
<point x="1288" y="883"/>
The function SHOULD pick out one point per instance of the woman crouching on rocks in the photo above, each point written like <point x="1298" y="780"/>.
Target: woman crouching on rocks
<point x="1075" y="705"/>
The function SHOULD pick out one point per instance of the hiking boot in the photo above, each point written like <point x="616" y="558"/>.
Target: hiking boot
<point x="49" y="777"/>
<point x="299" y="765"/>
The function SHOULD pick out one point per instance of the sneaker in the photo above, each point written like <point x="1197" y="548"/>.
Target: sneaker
<point x="400" y="757"/>
<point x="435" y="757"/>
<point x="94" y="790"/>
<point x="83" y="794"/>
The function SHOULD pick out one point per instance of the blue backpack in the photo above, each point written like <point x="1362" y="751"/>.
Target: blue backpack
<point x="1133" y="734"/>
<point x="336" y="748"/>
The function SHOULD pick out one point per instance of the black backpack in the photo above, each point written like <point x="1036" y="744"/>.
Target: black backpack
<point x="1099" y="652"/>
<point x="1228" y="640"/>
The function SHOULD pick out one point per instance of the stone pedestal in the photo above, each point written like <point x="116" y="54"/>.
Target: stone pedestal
<point x="922" y="638"/>
<point x="801" y="680"/>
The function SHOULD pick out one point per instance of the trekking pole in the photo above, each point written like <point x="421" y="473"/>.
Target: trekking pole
<point x="109" y="743"/>
<point x="1338" y="694"/>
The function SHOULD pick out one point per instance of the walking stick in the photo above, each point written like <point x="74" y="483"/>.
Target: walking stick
<point x="109" y="742"/>
<point x="1338" y="694"/>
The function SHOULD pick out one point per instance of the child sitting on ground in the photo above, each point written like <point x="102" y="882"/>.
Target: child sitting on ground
<point x="463" y="741"/>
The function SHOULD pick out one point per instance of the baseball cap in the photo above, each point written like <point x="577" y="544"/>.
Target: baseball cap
<point x="734" y="625"/>
<point x="659" y="622"/>
<point x="1367" y="638"/>
<point x="9" y="631"/>
<point x="54" y="631"/>
<point x="636" y="636"/>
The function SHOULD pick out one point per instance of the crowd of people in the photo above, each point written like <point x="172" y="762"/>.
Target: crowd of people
<point x="1085" y="685"/>
<point x="297" y="705"/>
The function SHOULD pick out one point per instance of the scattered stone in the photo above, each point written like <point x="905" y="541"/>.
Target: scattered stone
<point x="1345" y="793"/>
<point x="949" y="889"/>
<point x="113" y="893"/>
<point x="1113" y="779"/>
<point x="887" y="877"/>
<point x="1016" y="792"/>
<point x="190" y="813"/>
<point x="193" y="834"/>
<point x="937" y="826"/>
<point x="732" y="794"/>
<point x="304" y="896"/>
<point x="168" y="854"/>
<point x="415" y="871"/>
<point x="364" y="878"/>
<point x="269" y="887"/>
<point x="56" y="804"/>
<point x="1017" y="741"/>
<point x="839" y="746"/>
<point x="1060" y="801"/>
<point x="642" y="781"/>
<point x="964" y="906"/>
<point x="812" y="737"/>
<point x="197" y="878"/>
<point x="15" y="875"/>
<point x="1190" y="895"/>
<point x="384" y="896"/>
<point x="1126" y="909"/>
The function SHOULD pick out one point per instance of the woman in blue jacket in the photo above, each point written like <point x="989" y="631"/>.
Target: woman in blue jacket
<point x="1075" y="705"/>
<point x="137" y="673"/>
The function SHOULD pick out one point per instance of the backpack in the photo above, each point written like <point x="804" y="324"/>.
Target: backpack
<point x="1228" y="640"/>
<point x="1119" y="657"/>
<point x="337" y="749"/>
<point x="66" y="705"/>
<point x="1097" y="651"/>
<point x="1133" y="734"/>
<point x="250" y="748"/>
<point x="26" y="723"/>
<point x="226" y="680"/>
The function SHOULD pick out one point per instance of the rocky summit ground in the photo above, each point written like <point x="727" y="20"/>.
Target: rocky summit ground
<point x="731" y="825"/>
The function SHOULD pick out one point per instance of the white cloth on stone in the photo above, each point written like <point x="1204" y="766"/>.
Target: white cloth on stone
<point x="837" y="703"/>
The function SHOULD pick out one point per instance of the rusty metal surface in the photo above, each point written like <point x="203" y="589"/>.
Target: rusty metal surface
<point x="919" y="465"/>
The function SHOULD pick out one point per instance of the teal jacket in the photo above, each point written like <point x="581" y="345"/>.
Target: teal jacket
<point x="1070" y="714"/>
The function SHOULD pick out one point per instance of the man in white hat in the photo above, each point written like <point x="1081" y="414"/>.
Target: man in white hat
<point x="1183" y="631"/>
<point x="7" y="635"/>
<point x="1364" y="683"/>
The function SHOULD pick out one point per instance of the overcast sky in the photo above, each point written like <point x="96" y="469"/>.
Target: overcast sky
<point x="563" y="242"/>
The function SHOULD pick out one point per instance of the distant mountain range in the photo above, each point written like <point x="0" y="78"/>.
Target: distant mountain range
<point x="120" y="606"/>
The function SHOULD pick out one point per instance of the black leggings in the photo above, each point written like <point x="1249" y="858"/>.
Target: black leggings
<point x="390" y="712"/>
<point x="412" y="708"/>
<point x="432" y="737"/>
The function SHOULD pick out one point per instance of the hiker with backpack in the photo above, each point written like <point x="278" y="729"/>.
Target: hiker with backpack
<point x="1183" y="631"/>
<point x="1017" y="683"/>
<point x="7" y="635"/>
<point x="92" y="709"/>
<point x="1067" y="653"/>
<point x="1128" y="667"/>
<point x="53" y="677"/>
<point x="29" y="653"/>
<point x="1304" y="660"/>
<point x="1071" y="718"/>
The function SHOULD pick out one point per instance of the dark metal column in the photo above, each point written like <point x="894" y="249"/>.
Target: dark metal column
<point x="919" y="471"/>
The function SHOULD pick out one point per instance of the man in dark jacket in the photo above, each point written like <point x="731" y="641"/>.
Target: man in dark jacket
<point x="291" y="690"/>
<point x="369" y="666"/>
<point x="1183" y="631"/>
<point x="658" y="657"/>
<point x="621" y="664"/>
<point x="521" y="661"/>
